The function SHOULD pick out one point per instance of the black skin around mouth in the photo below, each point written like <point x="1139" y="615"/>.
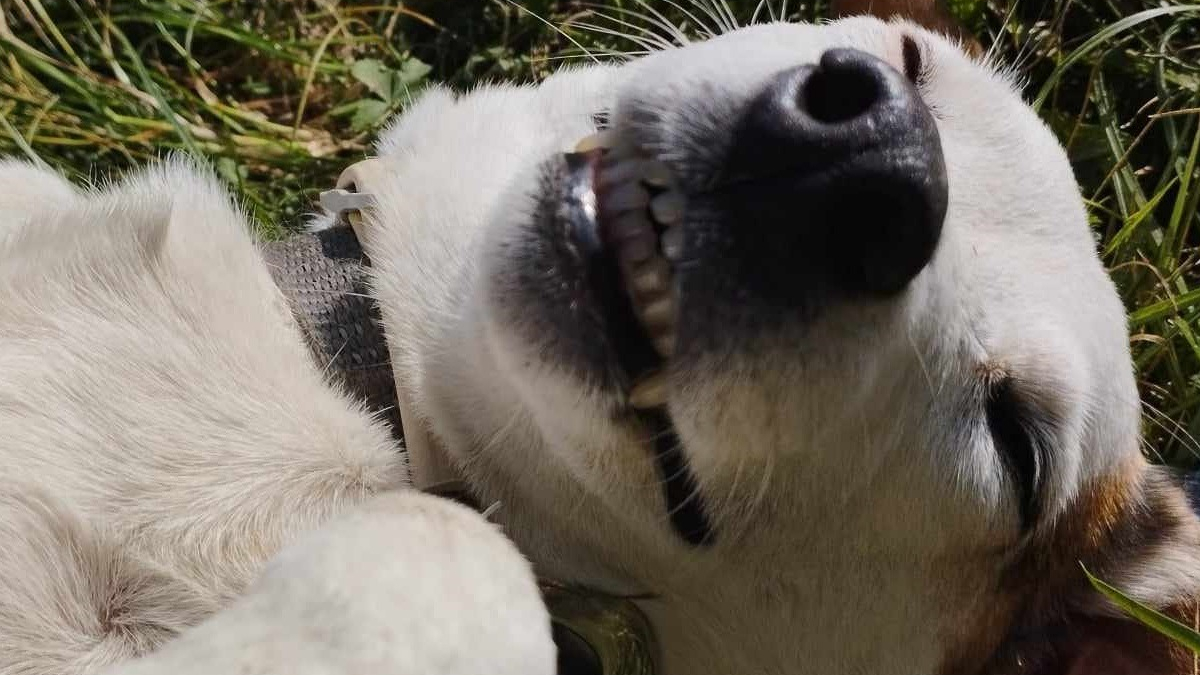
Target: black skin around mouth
<point x="634" y="352"/>
<point x="631" y="345"/>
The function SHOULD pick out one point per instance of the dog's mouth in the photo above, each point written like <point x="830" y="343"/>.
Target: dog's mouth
<point x="625" y="218"/>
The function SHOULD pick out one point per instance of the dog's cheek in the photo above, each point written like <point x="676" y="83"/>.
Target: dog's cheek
<point x="1133" y="530"/>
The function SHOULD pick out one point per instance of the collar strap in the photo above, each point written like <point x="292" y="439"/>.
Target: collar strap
<point x="352" y="202"/>
<point x="353" y="194"/>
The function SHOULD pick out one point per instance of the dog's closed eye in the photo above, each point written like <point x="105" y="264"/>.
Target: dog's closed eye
<point x="917" y="68"/>
<point x="913" y="66"/>
<point x="1017" y="438"/>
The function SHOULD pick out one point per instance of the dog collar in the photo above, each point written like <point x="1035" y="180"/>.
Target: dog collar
<point x="351" y="203"/>
<point x="352" y="197"/>
<point x="345" y="204"/>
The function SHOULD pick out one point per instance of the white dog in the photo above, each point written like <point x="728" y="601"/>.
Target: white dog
<point x="793" y="352"/>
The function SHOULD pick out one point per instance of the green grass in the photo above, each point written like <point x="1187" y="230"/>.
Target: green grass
<point x="281" y="95"/>
<point x="1161" y="623"/>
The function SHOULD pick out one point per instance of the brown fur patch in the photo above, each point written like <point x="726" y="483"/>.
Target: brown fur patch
<point x="931" y="14"/>
<point x="1045" y="619"/>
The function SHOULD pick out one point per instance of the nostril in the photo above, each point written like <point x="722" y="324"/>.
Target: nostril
<point x="840" y="90"/>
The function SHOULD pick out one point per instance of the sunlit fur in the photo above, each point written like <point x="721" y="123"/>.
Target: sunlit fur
<point x="163" y="431"/>
<point x="864" y="514"/>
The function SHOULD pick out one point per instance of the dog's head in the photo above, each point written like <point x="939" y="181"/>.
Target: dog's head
<point x="834" y="288"/>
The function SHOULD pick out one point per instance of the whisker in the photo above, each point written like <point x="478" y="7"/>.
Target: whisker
<point x="686" y="501"/>
<point x="654" y="19"/>
<point x="715" y="17"/>
<point x="1151" y="451"/>
<point x="738" y="468"/>
<point x="651" y="438"/>
<point x="553" y="27"/>
<point x="764" y="487"/>
<point x="643" y="32"/>
<point x="723" y="5"/>
<point x="1173" y="428"/>
<point x="921" y="362"/>
<point x="705" y="29"/>
<point x="992" y="51"/>
<point x="615" y="54"/>
<point x="329" y="363"/>
<point x="759" y="8"/>
<point x="650" y="42"/>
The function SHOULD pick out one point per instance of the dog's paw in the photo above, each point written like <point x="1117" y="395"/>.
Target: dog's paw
<point x="406" y="583"/>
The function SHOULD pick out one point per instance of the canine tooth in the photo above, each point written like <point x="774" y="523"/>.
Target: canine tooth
<point x="656" y="173"/>
<point x="667" y="208"/>
<point x="626" y="197"/>
<point x="672" y="243"/>
<point x="665" y="344"/>
<point x="649" y="392"/>
<point x="599" y="140"/>
<point x="658" y="313"/>
<point x="650" y="277"/>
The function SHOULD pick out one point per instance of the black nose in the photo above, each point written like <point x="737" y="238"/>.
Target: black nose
<point x="836" y="175"/>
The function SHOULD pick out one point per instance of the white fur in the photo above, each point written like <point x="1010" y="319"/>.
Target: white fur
<point x="167" y="433"/>
<point x="164" y="431"/>
<point x="405" y="584"/>
<point x="855" y="495"/>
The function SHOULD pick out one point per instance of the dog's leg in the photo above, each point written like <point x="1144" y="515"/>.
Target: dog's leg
<point x="406" y="583"/>
<point x="152" y="379"/>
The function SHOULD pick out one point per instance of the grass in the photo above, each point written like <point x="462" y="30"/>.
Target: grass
<point x="281" y="95"/>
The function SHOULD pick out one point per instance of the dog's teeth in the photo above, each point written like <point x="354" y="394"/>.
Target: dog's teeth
<point x="658" y="313"/>
<point x="650" y="277"/>
<point x="656" y="173"/>
<point x="597" y="141"/>
<point x="665" y="345"/>
<point x="626" y="197"/>
<point x="667" y="208"/>
<point x="636" y="249"/>
<point x="650" y="392"/>
<point x="619" y="170"/>
<point x="672" y="243"/>
<point x="629" y="225"/>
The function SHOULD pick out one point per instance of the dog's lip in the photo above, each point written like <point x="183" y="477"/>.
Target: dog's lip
<point x="592" y="216"/>
<point x="587" y="222"/>
<point x="639" y="214"/>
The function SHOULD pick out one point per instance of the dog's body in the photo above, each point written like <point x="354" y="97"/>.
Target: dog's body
<point x="896" y="469"/>
<point x="164" y="431"/>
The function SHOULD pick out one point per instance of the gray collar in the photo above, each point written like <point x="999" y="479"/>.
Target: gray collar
<point x="324" y="278"/>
